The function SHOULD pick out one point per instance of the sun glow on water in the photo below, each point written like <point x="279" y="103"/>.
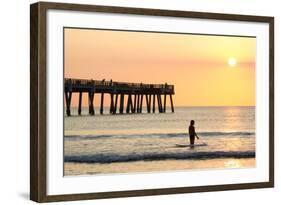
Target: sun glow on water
<point x="232" y="164"/>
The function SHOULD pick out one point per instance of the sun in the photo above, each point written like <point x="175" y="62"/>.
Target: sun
<point x="232" y="62"/>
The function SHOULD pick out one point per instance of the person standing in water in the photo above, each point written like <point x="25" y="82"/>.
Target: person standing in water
<point x="192" y="133"/>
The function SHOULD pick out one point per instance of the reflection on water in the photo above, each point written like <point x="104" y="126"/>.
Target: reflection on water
<point x="219" y="119"/>
<point x="232" y="164"/>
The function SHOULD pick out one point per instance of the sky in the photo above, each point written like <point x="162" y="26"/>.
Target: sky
<point x="205" y="70"/>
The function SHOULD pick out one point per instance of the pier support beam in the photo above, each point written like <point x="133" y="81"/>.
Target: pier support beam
<point x="101" y="103"/>
<point x="91" y="103"/>
<point x="115" y="105"/>
<point x="138" y="103"/>
<point x="160" y="109"/>
<point x="80" y="103"/>
<point x="161" y="105"/>
<point x="158" y="103"/>
<point x="153" y="107"/>
<point x="141" y="100"/>
<point x="164" y="109"/>
<point x="129" y="104"/>
<point x="135" y="104"/>
<point x="172" y="105"/>
<point x="111" y="103"/>
<point x="147" y="103"/>
<point x="121" y="108"/>
<point x="68" y="102"/>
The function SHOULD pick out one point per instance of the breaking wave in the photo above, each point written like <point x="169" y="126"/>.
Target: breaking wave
<point x="111" y="158"/>
<point x="161" y="135"/>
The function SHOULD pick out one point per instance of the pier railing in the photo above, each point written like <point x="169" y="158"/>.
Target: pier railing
<point x="110" y="86"/>
<point x="135" y="93"/>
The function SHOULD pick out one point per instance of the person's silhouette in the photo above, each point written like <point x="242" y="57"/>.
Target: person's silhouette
<point x="192" y="133"/>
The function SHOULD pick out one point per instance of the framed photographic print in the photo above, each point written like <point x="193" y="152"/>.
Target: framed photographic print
<point x="134" y="102"/>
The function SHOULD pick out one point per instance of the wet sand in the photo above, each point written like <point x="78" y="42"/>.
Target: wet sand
<point x="72" y="169"/>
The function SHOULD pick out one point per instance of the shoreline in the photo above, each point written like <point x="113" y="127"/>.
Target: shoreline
<point x="76" y="169"/>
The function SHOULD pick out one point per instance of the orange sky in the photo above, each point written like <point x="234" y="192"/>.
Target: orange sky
<point x="196" y="64"/>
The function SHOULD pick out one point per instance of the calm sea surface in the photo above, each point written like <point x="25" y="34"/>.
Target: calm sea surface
<point x="100" y="140"/>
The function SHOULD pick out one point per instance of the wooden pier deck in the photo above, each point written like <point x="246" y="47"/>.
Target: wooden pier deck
<point x="134" y="92"/>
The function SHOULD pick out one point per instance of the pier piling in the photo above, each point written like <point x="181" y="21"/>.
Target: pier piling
<point x="138" y="103"/>
<point x="147" y="103"/>
<point x="164" y="103"/>
<point x="91" y="103"/>
<point x="121" y="108"/>
<point x="80" y="103"/>
<point x="68" y="102"/>
<point x="141" y="100"/>
<point x="135" y="103"/>
<point x="131" y="103"/>
<point x="172" y="105"/>
<point x="128" y="104"/>
<point x="111" y="103"/>
<point x="153" y="109"/>
<point x="101" y="103"/>
<point x="115" y="106"/>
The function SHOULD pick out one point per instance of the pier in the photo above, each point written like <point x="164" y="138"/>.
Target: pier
<point x="134" y="93"/>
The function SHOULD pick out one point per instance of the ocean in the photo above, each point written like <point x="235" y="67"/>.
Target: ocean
<point x="132" y="143"/>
